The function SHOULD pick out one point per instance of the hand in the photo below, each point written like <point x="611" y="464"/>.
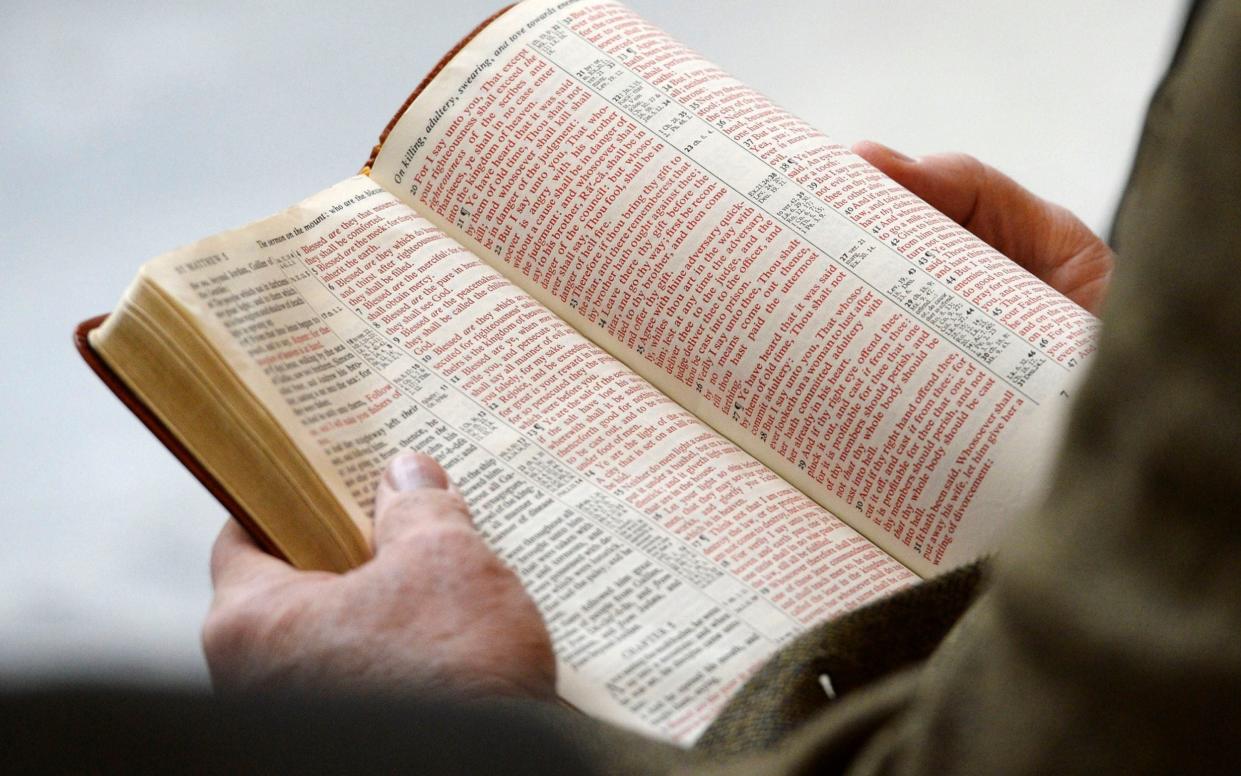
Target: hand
<point x="434" y="607"/>
<point x="1046" y="239"/>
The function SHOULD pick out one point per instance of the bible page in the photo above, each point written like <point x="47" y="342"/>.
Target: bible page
<point x="667" y="563"/>
<point x="873" y="353"/>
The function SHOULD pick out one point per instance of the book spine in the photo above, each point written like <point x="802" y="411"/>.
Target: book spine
<point x="383" y="136"/>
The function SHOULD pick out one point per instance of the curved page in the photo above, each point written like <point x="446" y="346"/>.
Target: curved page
<point x="891" y="366"/>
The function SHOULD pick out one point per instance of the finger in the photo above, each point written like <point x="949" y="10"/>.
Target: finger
<point x="993" y="206"/>
<point x="962" y="188"/>
<point x="236" y="560"/>
<point x="1045" y="238"/>
<point x="414" y="492"/>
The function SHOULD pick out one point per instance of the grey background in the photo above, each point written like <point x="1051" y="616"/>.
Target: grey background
<point x="128" y="128"/>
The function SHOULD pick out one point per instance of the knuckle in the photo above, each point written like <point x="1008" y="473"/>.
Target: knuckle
<point x="974" y="168"/>
<point x="219" y="556"/>
<point x="239" y="621"/>
<point x="229" y="629"/>
<point x="243" y="630"/>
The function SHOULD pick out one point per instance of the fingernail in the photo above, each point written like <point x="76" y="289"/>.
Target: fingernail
<point x="413" y="471"/>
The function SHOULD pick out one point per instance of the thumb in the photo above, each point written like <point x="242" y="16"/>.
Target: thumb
<point x="415" y="492"/>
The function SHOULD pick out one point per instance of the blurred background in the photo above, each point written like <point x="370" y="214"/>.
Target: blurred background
<point x="129" y="128"/>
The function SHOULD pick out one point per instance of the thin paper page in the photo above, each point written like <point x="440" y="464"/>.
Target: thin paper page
<point x="890" y="365"/>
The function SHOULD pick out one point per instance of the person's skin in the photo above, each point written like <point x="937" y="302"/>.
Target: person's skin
<point x="435" y="606"/>
<point x="1049" y="241"/>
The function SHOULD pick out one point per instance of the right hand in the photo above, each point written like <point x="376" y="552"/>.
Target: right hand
<point x="1046" y="239"/>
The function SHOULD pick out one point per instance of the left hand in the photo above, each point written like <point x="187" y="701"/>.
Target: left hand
<point x="435" y="607"/>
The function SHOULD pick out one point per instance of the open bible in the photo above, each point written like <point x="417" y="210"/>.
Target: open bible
<point x="704" y="377"/>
